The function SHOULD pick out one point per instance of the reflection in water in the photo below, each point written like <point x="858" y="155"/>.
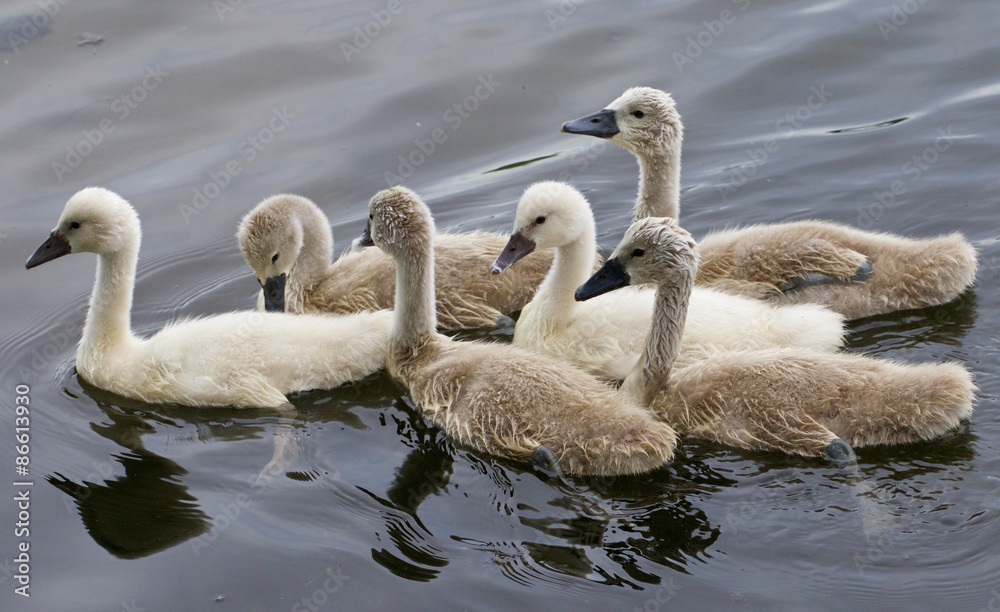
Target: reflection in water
<point x="630" y="522"/>
<point x="594" y="536"/>
<point x="147" y="510"/>
<point x="613" y="531"/>
<point x="869" y="127"/>
<point x="144" y="511"/>
<point x="946" y="325"/>
<point x="418" y="559"/>
<point x="425" y="471"/>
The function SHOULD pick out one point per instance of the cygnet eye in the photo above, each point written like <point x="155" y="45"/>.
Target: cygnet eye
<point x="638" y="252"/>
<point x="275" y="258"/>
<point x="540" y="219"/>
<point x="75" y="225"/>
<point x="638" y="114"/>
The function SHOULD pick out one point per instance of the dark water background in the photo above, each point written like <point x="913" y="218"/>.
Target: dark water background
<point x="137" y="506"/>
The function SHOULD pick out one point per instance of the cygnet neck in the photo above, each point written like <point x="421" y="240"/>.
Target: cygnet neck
<point x="415" y="315"/>
<point x="659" y="183"/>
<point x="316" y="254"/>
<point x="108" y="321"/>
<point x="663" y="343"/>
<point x="571" y="267"/>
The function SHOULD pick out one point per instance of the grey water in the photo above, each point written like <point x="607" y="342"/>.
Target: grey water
<point x="881" y="115"/>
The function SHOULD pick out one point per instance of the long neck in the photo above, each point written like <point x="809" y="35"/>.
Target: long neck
<point x="415" y="313"/>
<point x="109" y="318"/>
<point x="571" y="267"/>
<point x="316" y="254"/>
<point x="659" y="183"/>
<point x="664" y="340"/>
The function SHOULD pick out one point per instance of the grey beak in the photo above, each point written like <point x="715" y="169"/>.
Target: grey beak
<point x="517" y="247"/>
<point x="366" y="236"/>
<point x="274" y="293"/>
<point x="611" y="276"/>
<point x="55" y="246"/>
<point x="601" y="124"/>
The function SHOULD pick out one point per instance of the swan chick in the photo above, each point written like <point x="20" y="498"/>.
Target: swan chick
<point x="605" y="336"/>
<point x="286" y="240"/>
<point x="237" y="359"/>
<point x="854" y="272"/>
<point x="798" y="401"/>
<point x="497" y="398"/>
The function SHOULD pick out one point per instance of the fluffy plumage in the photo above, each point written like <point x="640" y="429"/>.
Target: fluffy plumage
<point x="495" y="397"/>
<point x="605" y="336"/>
<point x="239" y="359"/>
<point x="793" y="400"/>
<point x="289" y="235"/>
<point x="854" y="272"/>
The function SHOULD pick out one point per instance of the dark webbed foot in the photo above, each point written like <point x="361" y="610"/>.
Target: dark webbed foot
<point x="808" y="279"/>
<point x="811" y="279"/>
<point x="864" y="271"/>
<point x="546" y="461"/>
<point x="840" y="453"/>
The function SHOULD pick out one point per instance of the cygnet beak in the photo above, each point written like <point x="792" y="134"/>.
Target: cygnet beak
<point x="55" y="246"/>
<point x="517" y="247"/>
<point x="274" y="293"/>
<point x="601" y="124"/>
<point x="611" y="276"/>
<point x="366" y="236"/>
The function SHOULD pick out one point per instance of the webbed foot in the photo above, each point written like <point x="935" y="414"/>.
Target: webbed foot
<point x="863" y="272"/>
<point x="546" y="461"/>
<point x="811" y="279"/>
<point x="840" y="453"/>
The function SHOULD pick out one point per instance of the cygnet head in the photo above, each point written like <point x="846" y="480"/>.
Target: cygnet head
<point x="94" y="220"/>
<point x="653" y="250"/>
<point x="549" y="214"/>
<point x="399" y="223"/>
<point x="643" y="121"/>
<point x="271" y="237"/>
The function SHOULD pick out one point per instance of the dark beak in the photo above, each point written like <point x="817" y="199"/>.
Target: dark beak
<point x="517" y="247"/>
<point x="366" y="236"/>
<point x="601" y="124"/>
<point x="274" y="293"/>
<point x="55" y="246"/>
<point x="611" y="276"/>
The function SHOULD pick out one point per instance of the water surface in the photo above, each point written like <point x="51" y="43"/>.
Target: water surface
<point x="197" y="110"/>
